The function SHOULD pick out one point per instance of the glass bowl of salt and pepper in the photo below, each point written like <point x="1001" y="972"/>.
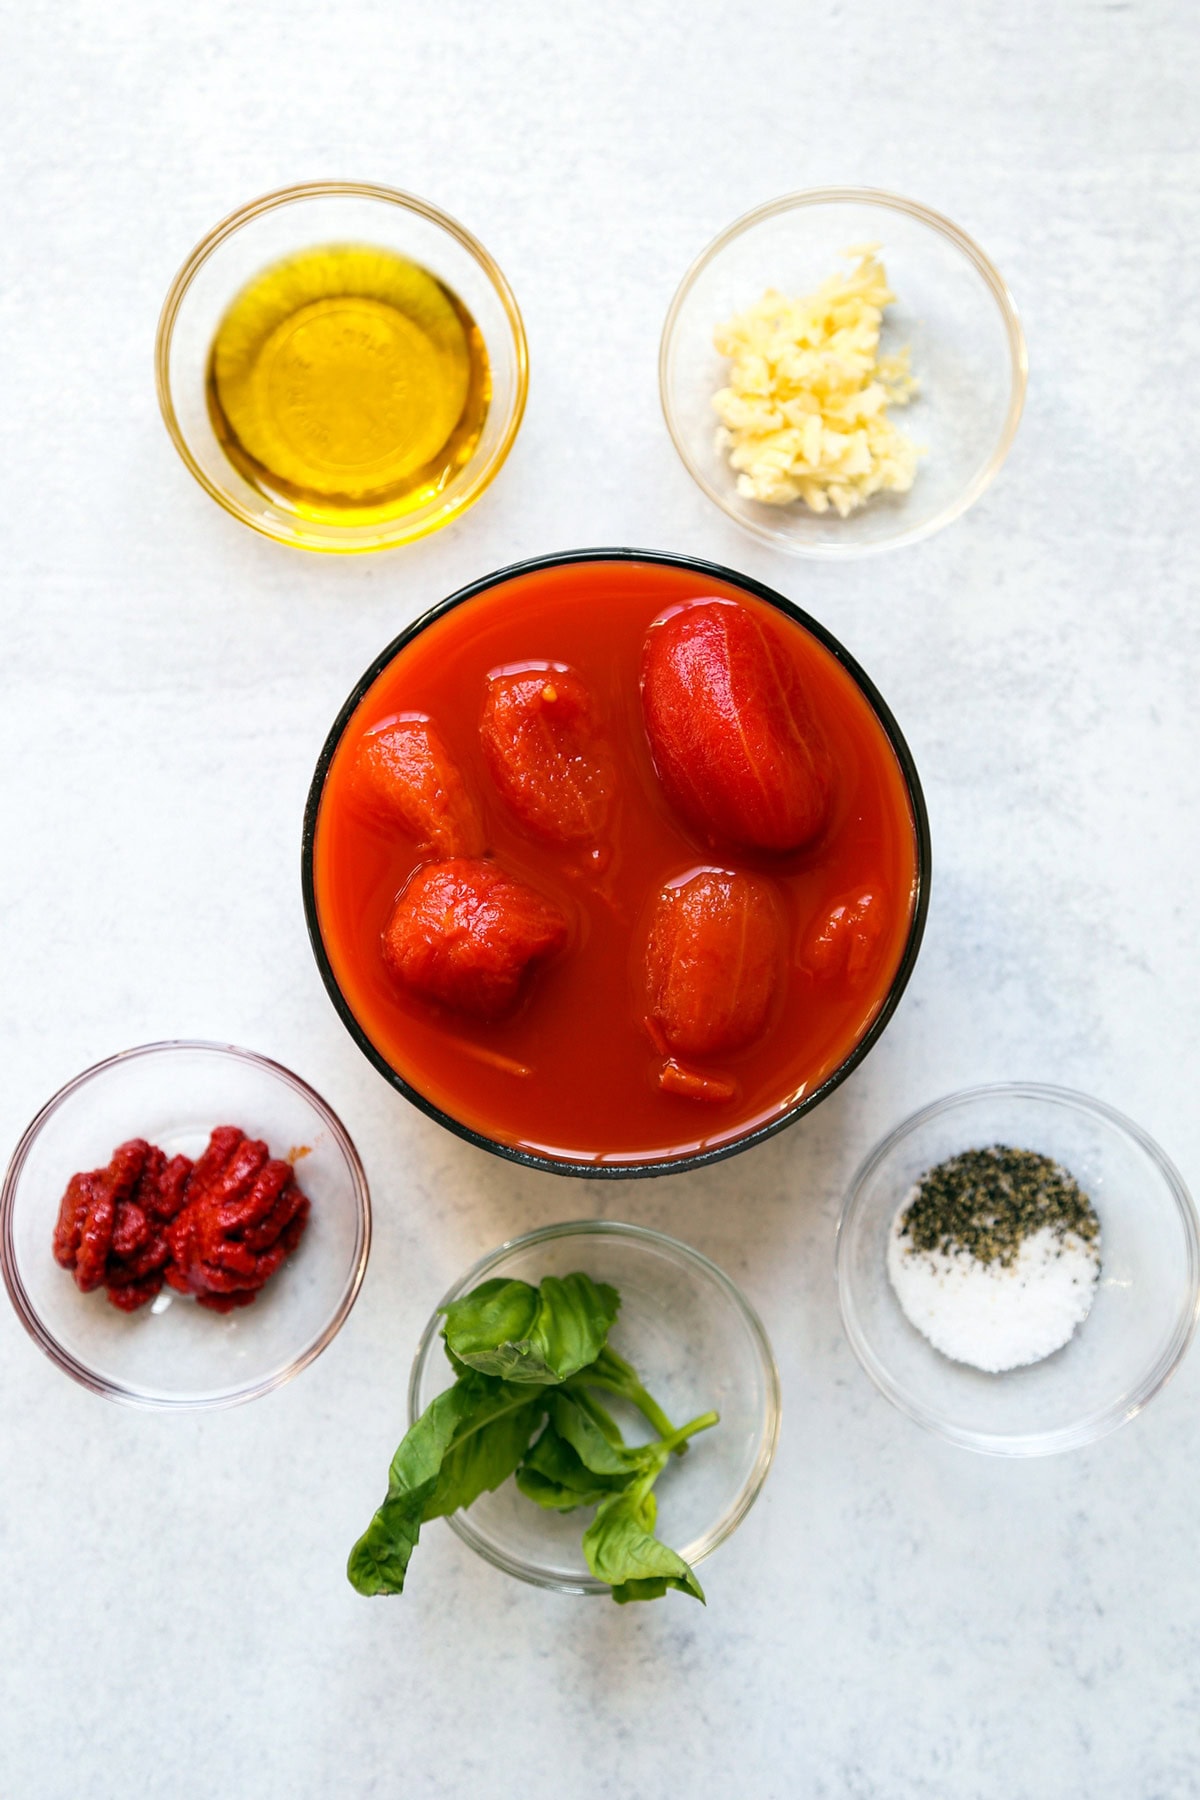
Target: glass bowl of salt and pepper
<point x="1019" y="1268"/>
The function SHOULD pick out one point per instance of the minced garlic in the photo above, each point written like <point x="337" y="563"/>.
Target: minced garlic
<point x="804" y="415"/>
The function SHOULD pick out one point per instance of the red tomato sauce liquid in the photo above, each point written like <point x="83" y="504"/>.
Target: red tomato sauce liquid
<point x="573" y="1074"/>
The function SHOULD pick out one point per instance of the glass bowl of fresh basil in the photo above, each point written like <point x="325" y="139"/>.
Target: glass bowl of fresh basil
<point x="679" y="1344"/>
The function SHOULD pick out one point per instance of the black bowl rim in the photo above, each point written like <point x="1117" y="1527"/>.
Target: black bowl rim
<point x="718" y="1152"/>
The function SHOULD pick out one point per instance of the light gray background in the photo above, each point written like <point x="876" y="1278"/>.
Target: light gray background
<point x="895" y="1618"/>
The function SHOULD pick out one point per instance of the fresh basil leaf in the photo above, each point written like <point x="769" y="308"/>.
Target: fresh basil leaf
<point x="495" y="1313"/>
<point x="554" y="1477"/>
<point x="621" y="1548"/>
<point x="575" y="1316"/>
<point x="460" y="1368"/>
<point x="470" y="1438"/>
<point x="599" y="1415"/>
<point x="648" y="1587"/>
<point x="581" y="1422"/>
<point x="528" y="1364"/>
<point x="546" y="1493"/>
<point x="379" y="1561"/>
<point x="493" y="1330"/>
<point x="488" y="1454"/>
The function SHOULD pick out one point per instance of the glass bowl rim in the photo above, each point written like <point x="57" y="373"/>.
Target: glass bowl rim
<point x="79" y="1371"/>
<point x="1101" y="1422"/>
<point x="717" y="1152"/>
<point x="320" y="190"/>
<point x="984" y="266"/>
<point x="680" y="1253"/>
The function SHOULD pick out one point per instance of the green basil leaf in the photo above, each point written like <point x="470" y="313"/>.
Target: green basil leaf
<point x="622" y="1550"/>
<point x="583" y="1423"/>
<point x="493" y="1329"/>
<point x="460" y="1368"/>
<point x="468" y="1439"/>
<point x="600" y="1415"/>
<point x="553" y="1476"/>
<point x="379" y="1561"/>
<point x="647" y="1587"/>
<point x="546" y="1493"/>
<point x="488" y="1453"/>
<point x="575" y="1316"/>
<point x="425" y="1443"/>
<point x="497" y="1312"/>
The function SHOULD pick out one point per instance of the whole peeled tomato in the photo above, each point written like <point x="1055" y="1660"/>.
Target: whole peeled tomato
<point x="405" y="773"/>
<point x="843" y="940"/>
<point x="464" y="933"/>
<point x="732" y="735"/>
<point x="544" y="753"/>
<point x="713" y="961"/>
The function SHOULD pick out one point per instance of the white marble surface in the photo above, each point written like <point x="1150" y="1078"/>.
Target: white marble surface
<point x="896" y="1618"/>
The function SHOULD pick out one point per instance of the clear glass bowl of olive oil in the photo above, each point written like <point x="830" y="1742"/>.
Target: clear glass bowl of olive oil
<point x="342" y="367"/>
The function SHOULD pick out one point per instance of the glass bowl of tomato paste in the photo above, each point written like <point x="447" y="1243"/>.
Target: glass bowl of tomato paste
<point x="171" y="1352"/>
<point x="557" y="912"/>
<point x="696" y="1343"/>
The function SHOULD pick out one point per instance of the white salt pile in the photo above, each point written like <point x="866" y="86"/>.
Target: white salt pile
<point x="994" y="1256"/>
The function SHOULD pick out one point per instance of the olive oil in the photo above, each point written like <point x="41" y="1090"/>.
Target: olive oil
<point x="348" y="384"/>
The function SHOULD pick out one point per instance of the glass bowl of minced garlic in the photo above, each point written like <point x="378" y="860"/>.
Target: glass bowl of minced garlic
<point x="1019" y="1268"/>
<point x="842" y="371"/>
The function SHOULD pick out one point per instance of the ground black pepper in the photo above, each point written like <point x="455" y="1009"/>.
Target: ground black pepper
<point x="987" y="1202"/>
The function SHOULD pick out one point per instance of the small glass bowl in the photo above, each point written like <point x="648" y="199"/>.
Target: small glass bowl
<point x="1146" y="1304"/>
<point x="172" y="1353"/>
<point x="300" y="218"/>
<point x="696" y="1343"/>
<point x="952" y="309"/>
